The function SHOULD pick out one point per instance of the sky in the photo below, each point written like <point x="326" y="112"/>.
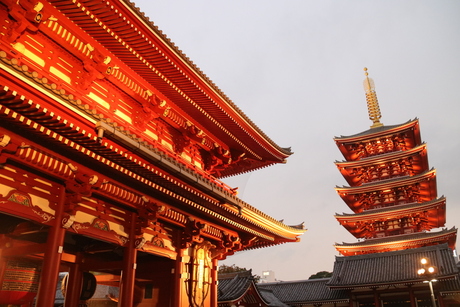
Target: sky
<point x="295" y="67"/>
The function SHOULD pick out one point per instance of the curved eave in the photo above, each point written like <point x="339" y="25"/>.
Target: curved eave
<point x="427" y="180"/>
<point x="412" y="140"/>
<point x="53" y="125"/>
<point x="400" y="242"/>
<point x="131" y="37"/>
<point x="391" y="212"/>
<point x="411" y="125"/>
<point x="436" y="217"/>
<point x="419" y="164"/>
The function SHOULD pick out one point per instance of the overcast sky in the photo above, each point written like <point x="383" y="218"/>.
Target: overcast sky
<point x="295" y="67"/>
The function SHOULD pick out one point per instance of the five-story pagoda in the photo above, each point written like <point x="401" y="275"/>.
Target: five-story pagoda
<point x="392" y="191"/>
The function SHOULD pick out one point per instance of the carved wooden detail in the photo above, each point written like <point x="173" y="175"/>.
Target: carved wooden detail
<point x="25" y="15"/>
<point x="389" y="197"/>
<point x="192" y="233"/>
<point x="379" y="146"/>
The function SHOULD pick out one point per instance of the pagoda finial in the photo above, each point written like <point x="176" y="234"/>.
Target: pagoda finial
<point x="372" y="102"/>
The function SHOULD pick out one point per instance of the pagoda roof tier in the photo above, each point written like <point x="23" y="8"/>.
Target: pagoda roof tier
<point x="399" y="242"/>
<point x="419" y="188"/>
<point x="391" y="268"/>
<point x="152" y="64"/>
<point x="431" y="214"/>
<point x="171" y="182"/>
<point x="386" y="166"/>
<point x="393" y="138"/>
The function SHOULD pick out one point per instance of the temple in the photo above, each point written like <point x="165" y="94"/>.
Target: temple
<point x="112" y="147"/>
<point x="392" y="191"/>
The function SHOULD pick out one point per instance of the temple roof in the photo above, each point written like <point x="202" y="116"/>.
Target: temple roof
<point x="155" y="59"/>
<point x="62" y="118"/>
<point x="305" y="292"/>
<point x="53" y="130"/>
<point x="396" y="267"/>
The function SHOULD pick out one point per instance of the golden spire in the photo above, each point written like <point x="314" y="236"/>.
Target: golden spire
<point x="372" y="102"/>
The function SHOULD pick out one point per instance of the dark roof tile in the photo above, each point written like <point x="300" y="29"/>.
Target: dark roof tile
<point x="391" y="267"/>
<point x="305" y="291"/>
<point x="233" y="285"/>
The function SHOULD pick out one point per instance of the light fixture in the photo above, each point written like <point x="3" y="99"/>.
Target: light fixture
<point x="427" y="272"/>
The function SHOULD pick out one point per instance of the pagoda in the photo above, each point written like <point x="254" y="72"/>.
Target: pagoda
<point x="392" y="190"/>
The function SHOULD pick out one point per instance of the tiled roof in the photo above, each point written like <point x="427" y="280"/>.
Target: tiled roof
<point x="233" y="285"/>
<point x="305" y="291"/>
<point x="451" y="286"/>
<point x="270" y="297"/>
<point x="397" y="267"/>
<point x="377" y="130"/>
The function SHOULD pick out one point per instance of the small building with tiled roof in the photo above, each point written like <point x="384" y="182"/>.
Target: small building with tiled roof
<point x="392" y="277"/>
<point x="239" y="288"/>
<point x="311" y="292"/>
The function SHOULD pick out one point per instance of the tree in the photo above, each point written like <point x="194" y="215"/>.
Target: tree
<point x="230" y="269"/>
<point x="235" y="269"/>
<point x="321" y="274"/>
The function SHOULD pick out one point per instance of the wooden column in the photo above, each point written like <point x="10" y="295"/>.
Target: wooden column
<point x="128" y="277"/>
<point x="214" y="291"/>
<point x="440" y="300"/>
<point x="178" y="289"/>
<point x="53" y="254"/>
<point x="376" y="298"/>
<point x="413" y="303"/>
<point x="74" y="284"/>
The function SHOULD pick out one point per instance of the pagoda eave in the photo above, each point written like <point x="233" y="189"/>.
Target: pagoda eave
<point x="411" y="125"/>
<point x="405" y="241"/>
<point x="425" y="185"/>
<point x="414" y="159"/>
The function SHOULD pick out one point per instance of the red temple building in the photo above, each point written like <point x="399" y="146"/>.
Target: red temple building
<point x="112" y="144"/>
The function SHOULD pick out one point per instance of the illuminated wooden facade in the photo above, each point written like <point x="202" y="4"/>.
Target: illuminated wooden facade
<point x="392" y="192"/>
<point x="112" y="143"/>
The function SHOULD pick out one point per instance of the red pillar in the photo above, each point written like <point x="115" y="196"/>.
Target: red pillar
<point x="214" y="282"/>
<point x="128" y="277"/>
<point x="176" y="293"/>
<point x="53" y="254"/>
<point x="74" y="284"/>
